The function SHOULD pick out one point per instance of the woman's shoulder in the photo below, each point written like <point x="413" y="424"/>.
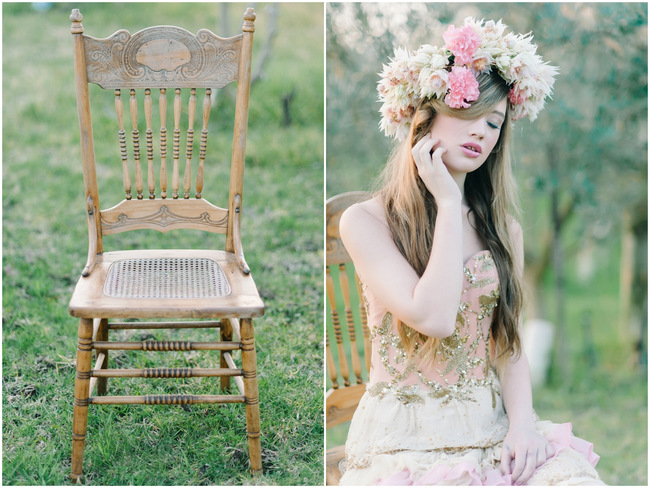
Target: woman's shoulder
<point x="364" y="222"/>
<point x="369" y="213"/>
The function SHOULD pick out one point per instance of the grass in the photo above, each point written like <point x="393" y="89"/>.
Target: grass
<point x="44" y="249"/>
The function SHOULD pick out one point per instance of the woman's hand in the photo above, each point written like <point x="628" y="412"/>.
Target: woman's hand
<point x="433" y="171"/>
<point x="523" y="451"/>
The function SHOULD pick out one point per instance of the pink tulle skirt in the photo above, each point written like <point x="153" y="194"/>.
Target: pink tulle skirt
<point x="427" y="443"/>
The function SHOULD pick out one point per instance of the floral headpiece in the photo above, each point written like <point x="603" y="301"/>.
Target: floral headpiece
<point x="450" y="73"/>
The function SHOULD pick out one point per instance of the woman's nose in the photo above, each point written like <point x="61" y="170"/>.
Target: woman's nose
<point x="477" y="129"/>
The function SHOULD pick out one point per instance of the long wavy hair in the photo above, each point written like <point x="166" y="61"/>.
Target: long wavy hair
<point x="491" y="194"/>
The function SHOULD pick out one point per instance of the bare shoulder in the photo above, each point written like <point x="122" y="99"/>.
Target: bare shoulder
<point x="363" y="224"/>
<point x="365" y="215"/>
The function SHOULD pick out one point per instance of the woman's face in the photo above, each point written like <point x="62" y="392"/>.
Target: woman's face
<point x="468" y="142"/>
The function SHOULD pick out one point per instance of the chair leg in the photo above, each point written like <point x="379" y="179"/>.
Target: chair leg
<point x="226" y="335"/>
<point x="82" y="383"/>
<point x="102" y="335"/>
<point x="249" y="366"/>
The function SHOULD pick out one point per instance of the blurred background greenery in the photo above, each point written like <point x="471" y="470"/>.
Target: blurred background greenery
<point x="582" y="174"/>
<point x="45" y="246"/>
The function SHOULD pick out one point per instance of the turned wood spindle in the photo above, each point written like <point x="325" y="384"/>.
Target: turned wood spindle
<point x="177" y="141"/>
<point x="119" y="109"/>
<point x="349" y="319"/>
<point x="343" y="363"/>
<point x="81" y="392"/>
<point x="252" y="401"/>
<point x="187" y="181"/>
<point x="151" y="181"/>
<point x="207" y="103"/>
<point x="331" y="367"/>
<point x="162" y="102"/>
<point x="133" y="105"/>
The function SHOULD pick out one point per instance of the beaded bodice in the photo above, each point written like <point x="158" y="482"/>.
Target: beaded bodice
<point x="460" y="364"/>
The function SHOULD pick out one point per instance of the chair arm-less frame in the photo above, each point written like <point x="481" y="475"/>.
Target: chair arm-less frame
<point x="164" y="289"/>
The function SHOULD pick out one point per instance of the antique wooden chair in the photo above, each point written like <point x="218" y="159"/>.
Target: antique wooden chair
<point x="342" y="399"/>
<point x="136" y="289"/>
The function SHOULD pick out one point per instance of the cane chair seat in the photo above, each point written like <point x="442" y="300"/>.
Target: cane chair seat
<point x="166" y="278"/>
<point x="347" y="384"/>
<point x="166" y="283"/>
<point x="150" y="77"/>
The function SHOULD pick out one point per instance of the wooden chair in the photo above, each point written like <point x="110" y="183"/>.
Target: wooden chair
<point x="214" y="288"/>
<point x="342" y="399"/>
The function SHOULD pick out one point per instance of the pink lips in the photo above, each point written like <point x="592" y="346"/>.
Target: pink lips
<point x="472" y="149"/>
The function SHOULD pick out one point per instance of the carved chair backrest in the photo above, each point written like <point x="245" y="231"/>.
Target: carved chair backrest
<point x="347" y="349"/>
<point x="157" y="64"/>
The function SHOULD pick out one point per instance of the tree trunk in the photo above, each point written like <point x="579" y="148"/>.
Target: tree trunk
<point x="562" y="353"/>
<point x="557" y="221"/>
<point x="626" y="277"/>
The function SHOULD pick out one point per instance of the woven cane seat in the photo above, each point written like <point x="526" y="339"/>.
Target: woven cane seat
<point x="166" y="278"/>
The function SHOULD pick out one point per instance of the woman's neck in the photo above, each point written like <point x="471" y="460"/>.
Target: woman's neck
<point x="459" y="178"/>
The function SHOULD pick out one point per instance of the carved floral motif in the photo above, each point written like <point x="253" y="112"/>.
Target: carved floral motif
<point x="162" y="56"/>
<point x="163" y="218"/>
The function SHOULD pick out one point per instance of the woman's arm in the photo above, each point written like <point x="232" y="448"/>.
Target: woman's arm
<point x="428" y="303"/>
<point x="523" y="448"/>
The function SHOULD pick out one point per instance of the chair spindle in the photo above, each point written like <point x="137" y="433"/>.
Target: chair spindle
<point x="119" y="109"/>
<point x="151" y="181"/>
<point x="343" y="363"/>
<point x="177" y="141"/>
<point x="187" y="180"/>
<point x="349" y="319"/>
<point x="133" y="104"/>
<point x="162" y="102"/>
<point x="331" y="368"/>
<point x="207" y="103"/>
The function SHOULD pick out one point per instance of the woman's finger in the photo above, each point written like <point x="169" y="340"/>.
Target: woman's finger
<point x="541" y="456"/>
<point x="529" y="467"/>
<point x="437" y="154"/>
<point x="550" y="452"/>
<point x="422" y="150"/>
<point x="520" y="464"/>
<point x="506" y="459"/>
<point x="415" y="150"/>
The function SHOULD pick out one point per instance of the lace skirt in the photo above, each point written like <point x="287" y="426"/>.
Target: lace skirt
<point x="457" y="443"/>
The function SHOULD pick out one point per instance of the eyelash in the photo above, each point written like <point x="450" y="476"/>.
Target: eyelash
<point x="494" y="126"/>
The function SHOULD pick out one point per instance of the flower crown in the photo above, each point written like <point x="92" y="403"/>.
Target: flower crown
<point x="450" y="73"/>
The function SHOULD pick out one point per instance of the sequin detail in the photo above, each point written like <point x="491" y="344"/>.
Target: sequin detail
<point x="461" y="364"/>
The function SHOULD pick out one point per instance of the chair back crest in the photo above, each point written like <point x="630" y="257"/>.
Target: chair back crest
<point x="164" y="57"/>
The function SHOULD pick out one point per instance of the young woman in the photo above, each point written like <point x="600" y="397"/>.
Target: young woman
<point x="440" y="255"/>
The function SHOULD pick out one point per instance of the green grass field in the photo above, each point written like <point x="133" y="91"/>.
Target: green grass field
<point x="45" y="246"/>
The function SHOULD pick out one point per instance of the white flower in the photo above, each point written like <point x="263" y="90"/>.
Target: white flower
<point x="433" y="82"/>
<point x="430" y="56"/>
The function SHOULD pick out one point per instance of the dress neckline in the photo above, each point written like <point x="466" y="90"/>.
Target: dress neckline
<point x="474" y="255"/>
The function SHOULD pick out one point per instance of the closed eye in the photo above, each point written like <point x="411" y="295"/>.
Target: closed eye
<point x="493" y="125"/>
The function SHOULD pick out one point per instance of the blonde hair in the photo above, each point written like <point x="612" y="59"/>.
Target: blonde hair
<point x="491" y="194"/>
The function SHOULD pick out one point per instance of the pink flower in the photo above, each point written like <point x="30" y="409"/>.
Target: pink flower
<point x="463" y="88"/>
<point x="462" y="43"/>
<point x="516" y="97"/>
